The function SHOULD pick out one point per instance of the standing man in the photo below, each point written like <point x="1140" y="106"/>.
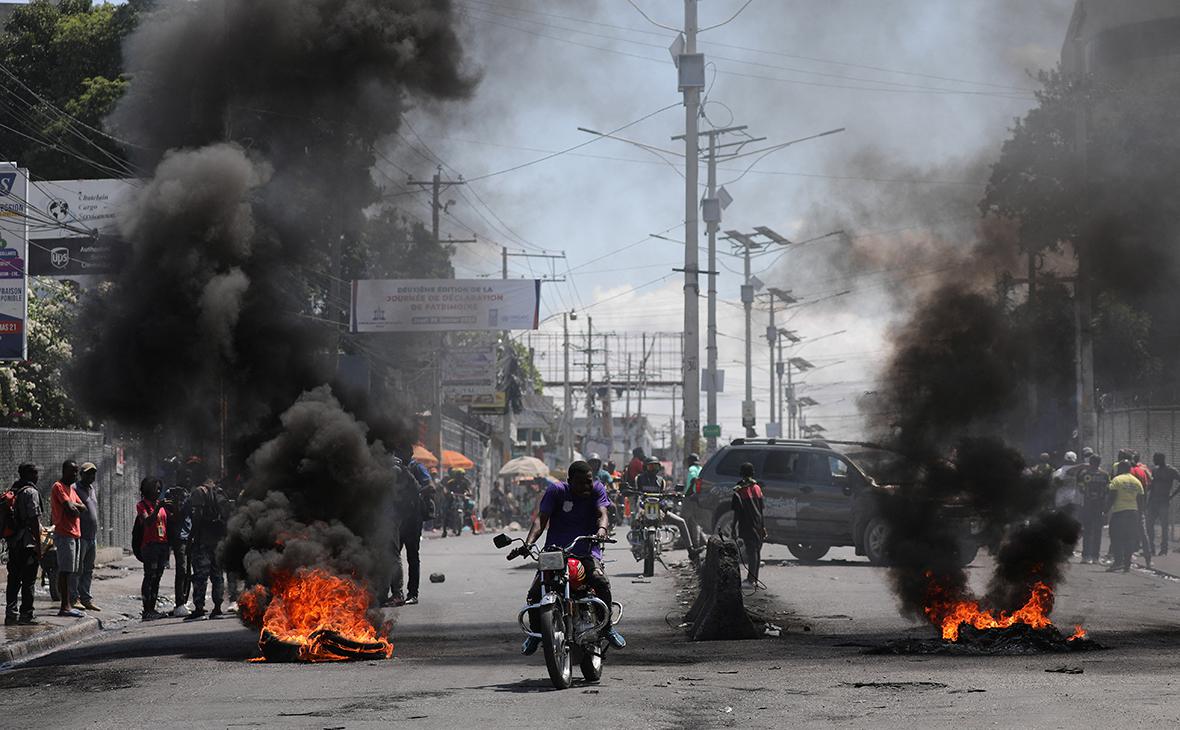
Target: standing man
<point x="1094" y="484"/>
<point x="151" y="529"/>
<point x="1165" y="481"/>
<point x="414" y="495"/>
<point x="24" y="546"/>
<point x="1124" y="503"/>
<point x="172" y="502"/>
<point x="635" y="468"/>
<point x="66" y="510"/>
<point x="87" y="492"/>
<point x="692" y="476"/>
<point x="208" y="511"/>
<point x="747" y="518"/>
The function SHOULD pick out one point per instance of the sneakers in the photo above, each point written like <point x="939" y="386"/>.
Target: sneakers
<point x="530" y="646"/>
<point x="89" y="606"/>
<point x="615" y="638"/>
<point x="180" y="611"/>
<point x="11" y="620"/>
<point x="27" y="621"/>
<point x="215" y="612"/>
<point x="151" y="615"/>
<point x="412" y="600"/>
<point x="70" y="613"/>
<point x="195" y="614"/>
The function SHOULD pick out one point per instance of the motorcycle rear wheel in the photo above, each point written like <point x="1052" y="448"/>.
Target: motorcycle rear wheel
<point x="557" y="650"/>
<point x="649" y="554"/>
<point x="591" y="665"/>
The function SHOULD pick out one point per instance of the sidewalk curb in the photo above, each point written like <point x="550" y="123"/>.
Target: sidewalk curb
<point x="48" y="641"/>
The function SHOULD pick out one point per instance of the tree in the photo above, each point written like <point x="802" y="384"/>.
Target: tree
<point x="32" y="394"/>
<point x="61" y="75"/>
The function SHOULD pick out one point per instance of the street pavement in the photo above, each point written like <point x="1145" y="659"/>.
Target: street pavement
<point x="456" y="662"/>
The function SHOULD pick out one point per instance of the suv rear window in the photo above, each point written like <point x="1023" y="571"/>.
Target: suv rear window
<point x="731" y="463"/>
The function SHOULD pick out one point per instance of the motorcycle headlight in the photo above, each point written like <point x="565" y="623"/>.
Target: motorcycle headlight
<point x="551" y="560"/>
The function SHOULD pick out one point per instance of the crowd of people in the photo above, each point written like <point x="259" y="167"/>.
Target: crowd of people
<point x="181" y="524"/>
<point x="1131" y="499"/>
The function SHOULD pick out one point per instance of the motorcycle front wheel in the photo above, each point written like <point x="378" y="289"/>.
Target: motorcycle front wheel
<point x="557" y="650"/>
<point x="649" y="554"/>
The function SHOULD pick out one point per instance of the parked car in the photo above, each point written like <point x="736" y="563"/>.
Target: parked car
<point x="817" y="495"/>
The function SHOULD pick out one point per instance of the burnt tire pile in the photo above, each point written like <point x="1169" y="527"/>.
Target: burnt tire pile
<point x="322" y="645"/>
<point x="719" y="612"/>
<point x="1016" y="640"/>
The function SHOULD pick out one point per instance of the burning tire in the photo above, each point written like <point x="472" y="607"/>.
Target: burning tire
<point x="808" y="552"/>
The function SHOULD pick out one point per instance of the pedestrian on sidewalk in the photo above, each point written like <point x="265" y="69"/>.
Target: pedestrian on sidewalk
<point x="1094" y="484"/>
<point x="747" y="518"/>
<point x="151" y="534"/>
<point x="204" y="528"/>
<point x="1165" y="482"/>
<point x="22" y="505"/>
<point x="1125" y="504"/>
<point x="87" y="492"/>
<point x="66" y="509"/>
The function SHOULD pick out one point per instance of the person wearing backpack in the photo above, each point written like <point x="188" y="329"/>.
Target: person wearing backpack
<point x="204" y="527"/>
<point x="414" y="496"/>
<point x="20" y="521"/>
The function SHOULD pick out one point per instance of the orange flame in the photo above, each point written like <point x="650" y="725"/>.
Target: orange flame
<point x="304" y="605"/>
<point x="949" y="614"/>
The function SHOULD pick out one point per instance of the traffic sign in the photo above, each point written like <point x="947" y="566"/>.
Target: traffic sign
<point x="712" y="431"/>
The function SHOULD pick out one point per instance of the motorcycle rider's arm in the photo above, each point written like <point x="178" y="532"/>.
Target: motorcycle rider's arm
<point x="603" y="522"/>
<point x="538" y="527"/>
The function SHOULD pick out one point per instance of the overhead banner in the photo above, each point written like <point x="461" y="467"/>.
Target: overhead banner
<point x="72" y="227"/>
<point x="14" y="249"/>
<point x="444" y="305"/>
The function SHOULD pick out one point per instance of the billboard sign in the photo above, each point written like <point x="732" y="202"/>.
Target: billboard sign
<point x="72" y="228"/>
<point x="470" y="370"/>
<point x="14" y="253"/>
<point x="444" y="305"/>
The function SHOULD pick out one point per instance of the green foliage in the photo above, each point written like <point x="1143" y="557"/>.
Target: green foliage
<point x="68" y="57"/>
<point x="1122" y="353"/>
<point x="32" y="394"/>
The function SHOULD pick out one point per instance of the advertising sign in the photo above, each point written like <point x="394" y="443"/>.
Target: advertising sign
<point x="72" y="226"/>
<point x="444" y="305"/>
<point x="14" y="249"/>
<point x="470" y="370"/>
<point x="495" y="404"/>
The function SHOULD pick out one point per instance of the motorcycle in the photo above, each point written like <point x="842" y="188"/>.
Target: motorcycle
<point x="649" y="536"/>
<point x="571" y="616"/>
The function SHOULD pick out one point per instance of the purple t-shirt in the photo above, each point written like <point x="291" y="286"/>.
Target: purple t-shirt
<point x="571" y="516"/>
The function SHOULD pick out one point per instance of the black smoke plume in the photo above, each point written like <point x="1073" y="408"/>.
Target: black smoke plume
<point x="254" y="124"/>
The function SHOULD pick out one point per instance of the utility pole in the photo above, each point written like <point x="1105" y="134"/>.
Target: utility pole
<point x="691" y="68"/>
<point x="568" y="403"/>
<point x="771" y="339"/>
<point x="436" y="185"/>
<point x="778" y="392"/>
<point x="627" y="413"/>
<point x="748" y="419"/>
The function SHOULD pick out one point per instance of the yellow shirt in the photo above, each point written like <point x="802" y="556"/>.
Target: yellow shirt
<point x="1126" y="488"/>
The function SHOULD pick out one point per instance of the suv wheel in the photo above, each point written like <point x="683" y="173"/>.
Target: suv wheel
<point x="876" y="535"/>
<point x="808" y="552"/>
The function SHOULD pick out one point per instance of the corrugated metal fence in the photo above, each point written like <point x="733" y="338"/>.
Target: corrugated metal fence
<point x="1146" y="429"/>
<point x="117" y="493"/>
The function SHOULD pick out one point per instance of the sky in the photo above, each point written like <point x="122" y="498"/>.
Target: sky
<point x="925" y="89"/>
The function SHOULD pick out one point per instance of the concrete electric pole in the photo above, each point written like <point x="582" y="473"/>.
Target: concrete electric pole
<point x="691" y="68"/>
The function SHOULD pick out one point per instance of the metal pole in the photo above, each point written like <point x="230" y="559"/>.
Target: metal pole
<point x="711" y="341"/>
<point x="749" y="345"/>
<point x="690" y="368"/>
<point x="627" y="411"/>
<point x="506" y="419"/>
<point x="771" y="336"/>
<point x="791" y="404"/>
<point x="435" y="208"/>
<point x="778" y="394"/>
<point x="569" y="394"/>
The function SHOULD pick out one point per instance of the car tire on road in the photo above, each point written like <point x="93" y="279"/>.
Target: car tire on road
<point x="875" y="536"/>
<point x="808" y="552"/>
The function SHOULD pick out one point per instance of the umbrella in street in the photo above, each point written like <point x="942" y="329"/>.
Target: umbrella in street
<point x="525" y="466"/>
<point x="455" y="460"/>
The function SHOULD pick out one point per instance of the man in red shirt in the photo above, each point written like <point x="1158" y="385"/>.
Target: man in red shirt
<point x="151" y="524"/>
<point x="635" y="468"/>
<point x="66" y="508"/>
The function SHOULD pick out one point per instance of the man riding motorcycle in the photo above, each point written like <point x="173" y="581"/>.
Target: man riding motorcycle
<point x="649" y="481"/>
<point x="456" y="490"/>
<point x="571" y="509"/>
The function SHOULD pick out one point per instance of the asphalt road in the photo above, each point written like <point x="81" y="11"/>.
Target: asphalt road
<point x="456" y="663"/>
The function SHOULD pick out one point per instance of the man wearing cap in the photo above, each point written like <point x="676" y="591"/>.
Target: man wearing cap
<point x="1067" y="496"/>
<point x="87" y="492"/>
<point x="67" y="510"/>
<point x="24" y="547"/>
